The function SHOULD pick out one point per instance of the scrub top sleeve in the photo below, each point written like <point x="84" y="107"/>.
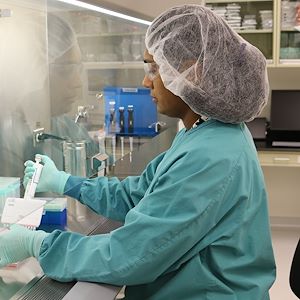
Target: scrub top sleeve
<point x="73" y="186"/>
<point x="109" y="196"/>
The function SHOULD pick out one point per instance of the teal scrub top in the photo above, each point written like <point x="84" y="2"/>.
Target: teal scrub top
<point x="196" y="224"/>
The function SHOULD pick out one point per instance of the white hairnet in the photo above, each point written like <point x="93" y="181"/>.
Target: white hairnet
<point x="208" y="65"/>
<point x="61" y="37"/>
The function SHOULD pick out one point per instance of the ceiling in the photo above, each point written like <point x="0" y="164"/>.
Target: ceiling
<point x="141" y="9"/>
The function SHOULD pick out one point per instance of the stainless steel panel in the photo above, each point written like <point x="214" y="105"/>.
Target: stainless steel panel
<point x="92" y="291"/>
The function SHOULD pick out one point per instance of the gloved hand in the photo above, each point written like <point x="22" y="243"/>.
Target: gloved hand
<point x="51" y="180"/>
<point x="19" y="243"/>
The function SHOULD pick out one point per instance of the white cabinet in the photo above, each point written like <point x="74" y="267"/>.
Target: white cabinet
<point x="279" y="159"/>
<point x="282" y="175"/>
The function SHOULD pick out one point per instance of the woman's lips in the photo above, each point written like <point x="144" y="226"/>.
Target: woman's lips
<point x="154" y="99"/>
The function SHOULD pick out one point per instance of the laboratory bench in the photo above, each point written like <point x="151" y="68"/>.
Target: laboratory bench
<point x="27" y="281"/>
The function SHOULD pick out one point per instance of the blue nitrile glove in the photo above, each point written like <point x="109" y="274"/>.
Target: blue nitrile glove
<point x="19" y="243"/>
<point x="51" y="180"/>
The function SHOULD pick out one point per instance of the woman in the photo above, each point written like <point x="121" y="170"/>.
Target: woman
<point x="196" y="220"/>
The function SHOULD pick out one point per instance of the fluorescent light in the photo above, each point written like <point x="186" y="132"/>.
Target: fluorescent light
<point x="105" y="11"/>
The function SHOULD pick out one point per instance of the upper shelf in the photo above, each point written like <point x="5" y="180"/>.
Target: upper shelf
<point x="296" y="30"/>
<point x="289" y="62"/>
<point x="255" y="31"/>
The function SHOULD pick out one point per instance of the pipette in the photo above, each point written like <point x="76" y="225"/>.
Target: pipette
<point x="33" y="182"/>
<point x="121" y="119"/>
<point x="130" y="147"/>
<point x="112" y="120"/>
<point x="130" y="111"/>
<point x="113" y="144"/>
<point x="130" y="119"/>
<point x="122" y="147"/>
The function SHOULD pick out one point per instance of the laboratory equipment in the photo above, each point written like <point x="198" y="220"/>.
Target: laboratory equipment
<point x="140" y="111"/>
<point x="76" y="163"/>
<point x="122" y="147"/>
<point x="55" y="212"/>
<point x="82" y="115"/>
<point x="69" y="149"/>
<point x="75" y="158"/>
<point x="33" y="182"/>
<point x="25" y="212"/>
<point x="113" y="143"/>
<point x="121" y="119"/>
<point x="101" y="156"/>
<point x="285" y="106"/>
<point x="130" y="148"/>
<point x="130" y="118"/>
<point x="112" y="121"/>
<point x="101" y="141"/>
<point x="258" y="128"/>
<point x="110" y="152"/>
<point x="284" y="120"/>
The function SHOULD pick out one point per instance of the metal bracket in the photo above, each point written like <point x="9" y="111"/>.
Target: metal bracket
<point x="97" y="160"/>
<point x="36" y="134"/>
<point x="82" y="112"/>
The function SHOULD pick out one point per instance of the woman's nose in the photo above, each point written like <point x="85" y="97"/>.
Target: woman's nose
<point x="147" y="82"/>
